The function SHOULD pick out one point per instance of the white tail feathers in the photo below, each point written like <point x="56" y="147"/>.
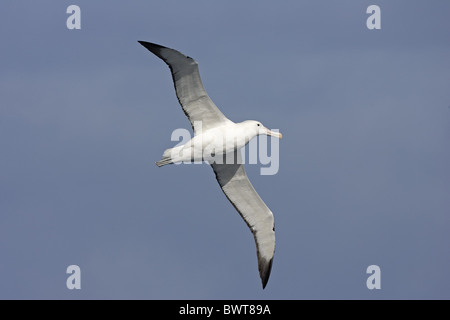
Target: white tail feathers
<point x="163" y="162"/>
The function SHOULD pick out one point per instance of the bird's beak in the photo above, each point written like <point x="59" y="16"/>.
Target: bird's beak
<point x="274" y="134"/>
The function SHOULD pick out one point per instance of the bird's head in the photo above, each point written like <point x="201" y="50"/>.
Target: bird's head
<point x="258" y="128"/>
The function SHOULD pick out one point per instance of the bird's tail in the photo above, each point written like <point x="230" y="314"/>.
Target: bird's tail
<point x="166" y="158"/>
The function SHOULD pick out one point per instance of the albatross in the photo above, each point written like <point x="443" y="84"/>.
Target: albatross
<point x="215" y="139"/>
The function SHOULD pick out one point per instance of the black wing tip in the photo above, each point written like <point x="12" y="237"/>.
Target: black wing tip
<point x="146" y="43"/>
<point x="264" y="271"/>
<point x="156" y="49"/>
<point x="153" y="47"/>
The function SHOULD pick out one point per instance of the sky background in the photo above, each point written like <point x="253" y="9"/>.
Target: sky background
<point x="364" y="161"/>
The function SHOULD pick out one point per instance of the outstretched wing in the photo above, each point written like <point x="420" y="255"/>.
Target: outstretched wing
<point x="235" y="184"/>
<point x="194" y="100"/>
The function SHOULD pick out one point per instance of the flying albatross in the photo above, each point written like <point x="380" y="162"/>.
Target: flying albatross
<point x="215" y="139"/>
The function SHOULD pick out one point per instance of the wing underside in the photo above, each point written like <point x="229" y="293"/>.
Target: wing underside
<point x="191" y="94"/>
<point x="235" y="184"/>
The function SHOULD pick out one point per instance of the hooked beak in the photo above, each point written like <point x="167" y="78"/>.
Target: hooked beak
<point x="274" y="134"/>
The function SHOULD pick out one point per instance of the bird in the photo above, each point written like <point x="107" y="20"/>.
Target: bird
<point x="217" y="141"/>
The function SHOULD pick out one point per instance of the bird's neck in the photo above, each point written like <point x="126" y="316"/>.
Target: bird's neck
<point x="245" y="131"/>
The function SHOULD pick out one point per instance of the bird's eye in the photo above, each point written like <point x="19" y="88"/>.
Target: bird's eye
<point x="258" y="124"/>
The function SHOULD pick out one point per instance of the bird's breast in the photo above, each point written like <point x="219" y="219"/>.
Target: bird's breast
<point x="220" y="140"/>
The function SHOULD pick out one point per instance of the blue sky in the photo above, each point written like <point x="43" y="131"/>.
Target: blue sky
<point x="364" y="161"/>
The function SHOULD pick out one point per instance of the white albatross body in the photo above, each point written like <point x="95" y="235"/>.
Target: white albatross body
<point x="212" y="144"/>
<point x="215" y="137"/>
